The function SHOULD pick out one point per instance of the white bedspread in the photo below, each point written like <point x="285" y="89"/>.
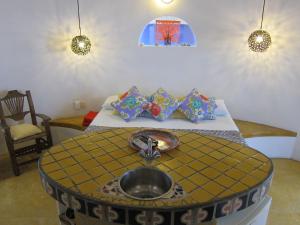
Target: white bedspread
<point x="105" y="118"/>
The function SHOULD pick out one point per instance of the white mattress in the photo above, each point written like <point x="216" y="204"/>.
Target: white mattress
<point x="106" y="118"/>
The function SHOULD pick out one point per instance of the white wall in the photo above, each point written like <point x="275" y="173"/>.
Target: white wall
<point x="296" y="153"/>
<point x="274" y="147"/>
<point x="35" y="37"/>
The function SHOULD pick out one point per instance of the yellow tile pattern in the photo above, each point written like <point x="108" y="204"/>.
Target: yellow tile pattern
<point x="206" y="167"/>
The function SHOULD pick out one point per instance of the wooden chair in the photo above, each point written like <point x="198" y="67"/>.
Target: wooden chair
<point x="21" y="133"/>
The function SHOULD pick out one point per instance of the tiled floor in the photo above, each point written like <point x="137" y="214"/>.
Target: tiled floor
<point x="23" y="201"/>
<point x="285" y="192"/>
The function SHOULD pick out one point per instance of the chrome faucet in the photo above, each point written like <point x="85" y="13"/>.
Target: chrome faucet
<point x="149" y="153"/>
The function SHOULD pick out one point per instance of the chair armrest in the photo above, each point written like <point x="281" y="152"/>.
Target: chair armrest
<point x="43" y="117"/>
<point x="46" y="125"/>
<point x="6" y="130"/>
<point x="4" y="127"/>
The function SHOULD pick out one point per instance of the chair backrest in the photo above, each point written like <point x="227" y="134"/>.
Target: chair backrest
<point x="14" y="102"/>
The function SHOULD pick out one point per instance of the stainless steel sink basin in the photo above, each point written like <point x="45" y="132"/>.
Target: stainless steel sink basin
<point x="145" y="183"/>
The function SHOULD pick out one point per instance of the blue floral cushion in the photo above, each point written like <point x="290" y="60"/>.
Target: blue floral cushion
<point x="162" y="105"/>
<point x="132" y="90"/>
<point x="197" y="107"/>
<point x="130" y="105"/>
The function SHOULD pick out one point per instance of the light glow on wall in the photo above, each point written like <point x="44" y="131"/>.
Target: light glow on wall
<point x="58" y="47"/>
<point x="165" y="4"/>
<point x="167" y="1"/>
<point x="270" y="67"/>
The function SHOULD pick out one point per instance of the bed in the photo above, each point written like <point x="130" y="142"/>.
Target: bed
<point x="223" y="126"/>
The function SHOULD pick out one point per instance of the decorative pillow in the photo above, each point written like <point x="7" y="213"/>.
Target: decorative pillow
<point x="219" y="111"/>
<point x="175" y="115"/>
<point x="198" y="107"/>
<point x="130" y="105"/>
<point x="107" y="104"/>
<point x="162" y="104"/>
<point x="132" y="90"/>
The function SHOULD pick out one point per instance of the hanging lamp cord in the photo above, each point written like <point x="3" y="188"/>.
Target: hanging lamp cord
<point x="78" y="15"/>
<point x="262" y="15"/>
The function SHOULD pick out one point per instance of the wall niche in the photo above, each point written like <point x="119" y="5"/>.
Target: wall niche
<point x="167" y="31"/>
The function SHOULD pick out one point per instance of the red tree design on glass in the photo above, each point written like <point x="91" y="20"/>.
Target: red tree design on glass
<point x="167" y="31"/>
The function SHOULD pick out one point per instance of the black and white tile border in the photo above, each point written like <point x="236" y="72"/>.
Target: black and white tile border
<point x="160" y="216"/>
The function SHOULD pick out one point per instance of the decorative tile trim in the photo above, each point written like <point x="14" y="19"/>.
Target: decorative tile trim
<point x="112" y="188"/>
<point x="128" y="216"/>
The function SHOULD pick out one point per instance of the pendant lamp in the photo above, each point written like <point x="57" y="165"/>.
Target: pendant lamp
<point x="81" y="44"/>
<point x="260" y="40"/>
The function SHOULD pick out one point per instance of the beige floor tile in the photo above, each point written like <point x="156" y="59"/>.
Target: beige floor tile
<point x="29" y="221"/>
<point x="23" y="200"/>
<point x="285" y="191"/>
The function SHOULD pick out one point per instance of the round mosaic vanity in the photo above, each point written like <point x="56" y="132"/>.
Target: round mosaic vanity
<point x="213" y="178"/>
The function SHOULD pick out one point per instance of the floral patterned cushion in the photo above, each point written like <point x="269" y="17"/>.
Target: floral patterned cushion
<point x="131" y="104"/>
<point x="132" y="90"/>
<point x="162" y="105"/>
<point x="197" y="107"/>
